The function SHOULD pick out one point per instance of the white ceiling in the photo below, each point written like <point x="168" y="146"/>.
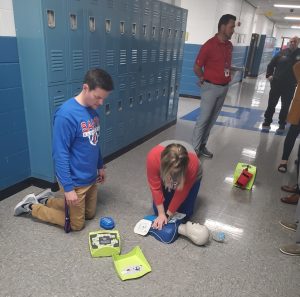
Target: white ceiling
<point x="265" y="7"/>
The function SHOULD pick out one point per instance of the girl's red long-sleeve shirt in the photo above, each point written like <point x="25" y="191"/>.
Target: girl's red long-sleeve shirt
<point x="155" y="181"/>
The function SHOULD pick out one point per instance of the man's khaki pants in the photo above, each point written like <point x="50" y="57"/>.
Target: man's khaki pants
<point x="54" y="211"/>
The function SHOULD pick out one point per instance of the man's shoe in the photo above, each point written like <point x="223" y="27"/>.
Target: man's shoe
<point x="206" y="153"/>
<point x="290" y="189"/>
<point x="43" y="197"/>
<point x="24" y="205"/>
<point x="292" y="199"/>
<point x="266" y="126"/>
<point x="291" y="249"/>
<point x="281" y="129"/>
<point x="288" y="225"/>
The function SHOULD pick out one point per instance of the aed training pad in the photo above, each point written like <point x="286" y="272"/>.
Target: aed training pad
<point x="238" y="170"/>
<point x="104" y="243"/>
<point x="131" y="265"/>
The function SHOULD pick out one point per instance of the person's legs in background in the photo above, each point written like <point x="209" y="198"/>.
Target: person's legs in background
<point x="274" y="96"/>
<point x="287" y="94"/>
<point x="289" y="142"/>
<point x="210" y="96"/>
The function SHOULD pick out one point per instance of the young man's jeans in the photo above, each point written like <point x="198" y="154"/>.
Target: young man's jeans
<point x="212" y="99"/>
<point x="54" y="211"/>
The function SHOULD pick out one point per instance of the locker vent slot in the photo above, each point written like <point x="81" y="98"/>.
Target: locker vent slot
<point x="77" y="57"/>
<point x="110" y="57"/>
<point x="58" y="100"/>
<point x="134" y="58"/>
<point x="123" y="57"/>
<point x="122" y="87"/>
<point x="94" y="58"/>
<point x="133" y="84"/>
<point x="175" y="56"/>
<point x="57" y="63"/>
<point x="109" y="135"/>
<point x="151" y="80"/>
<point x="161" y="55"/>
<point x="146" y="11"/>
<point x="144" y="56"/>
<point x="153" y="56"/>
<point x="168" y="57"/>
<point x="136" y="8"/>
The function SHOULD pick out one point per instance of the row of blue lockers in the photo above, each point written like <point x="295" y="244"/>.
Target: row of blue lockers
<point x="62" y="39"/>
<point x="135" y="108"/>
<point x="120" y="36"/>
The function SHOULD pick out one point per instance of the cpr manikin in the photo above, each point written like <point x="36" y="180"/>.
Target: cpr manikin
<point x="198" y="234"/>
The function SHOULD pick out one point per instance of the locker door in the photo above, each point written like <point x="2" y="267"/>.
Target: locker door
<point x="57" y="96"/>
<point x="77" y="58"/>
<point x="124" y="34"/>
<point x="111" y="36"/>
<point x="134" y="35"/>
<point x="54" y="23"/>
<point x="94" y="32"/>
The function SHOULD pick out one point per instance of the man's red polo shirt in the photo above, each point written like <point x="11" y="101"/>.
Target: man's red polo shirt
<point x="215" y="56"/>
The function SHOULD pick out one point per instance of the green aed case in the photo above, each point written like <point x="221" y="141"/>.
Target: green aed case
<point x="238" y="171"/>
<point x="104" y="243"/>
<point x="131" y="265"/>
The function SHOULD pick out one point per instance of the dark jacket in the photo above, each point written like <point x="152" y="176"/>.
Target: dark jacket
<point x="281" y="66"/>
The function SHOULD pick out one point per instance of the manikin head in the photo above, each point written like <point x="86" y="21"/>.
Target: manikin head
<point x="198" y="234"/>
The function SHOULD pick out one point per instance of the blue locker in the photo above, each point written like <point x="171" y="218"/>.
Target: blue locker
<point x="57" y="96"/>
<point x="75" y="31"/>
<point x="124" y="35"/>
<point x="121" y="111"/>
<point x="111" y="36"/>
<point x="74" y="89"/>
<point x="131" y="105"/>
<point x="54" y="22"/>
<point x="94" y="34"/>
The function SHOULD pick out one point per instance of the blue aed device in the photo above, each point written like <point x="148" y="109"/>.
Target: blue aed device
<point x="107" y="223"/>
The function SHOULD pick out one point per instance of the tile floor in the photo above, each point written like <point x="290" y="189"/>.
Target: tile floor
<point x="41" y="260"/>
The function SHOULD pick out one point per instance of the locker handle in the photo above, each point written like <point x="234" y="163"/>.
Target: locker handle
<point x="122" y="27"/>
<point x="144" y="30"/>
<point x="120" y="108"/>
<point x="149" y="97"/>
<point x="51" y="18"/>
<point x="153" y="31"/>
<point x="162" y="30"/>
<point x="92" y="24"/>
<point x="131" y="102"/>
<point x="133" y="30"/>
<point x="73" y="21"/>
<point x="141" y="99"/>
<point x="107" y="26"/>
<point x="107" y="109"/>
<point x="169" y="32"/>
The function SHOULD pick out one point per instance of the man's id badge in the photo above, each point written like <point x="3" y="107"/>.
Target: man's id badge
<point x="226" y="72"/>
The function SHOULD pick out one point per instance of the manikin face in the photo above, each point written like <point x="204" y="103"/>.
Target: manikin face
<point x="228" y="30"/>
<point x="199" y="234"/>
<point x="94" y="98"/>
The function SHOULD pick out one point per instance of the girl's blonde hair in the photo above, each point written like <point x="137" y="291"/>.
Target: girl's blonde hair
<point x="174" y="162"/>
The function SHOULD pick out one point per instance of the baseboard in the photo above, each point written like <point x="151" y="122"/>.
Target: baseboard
<point x="32" y="181"/>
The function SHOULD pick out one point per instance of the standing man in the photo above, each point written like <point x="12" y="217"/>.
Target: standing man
<point x="283" y="83"/>
<point x="213" y="68"/>
<point x="77" y="157"/>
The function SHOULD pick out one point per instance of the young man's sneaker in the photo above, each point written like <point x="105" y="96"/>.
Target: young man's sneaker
<point x="25" y="204"/>
<point x="288" y="225"/>
<point x="206" y="153"/>
<point x="43" y="197"/>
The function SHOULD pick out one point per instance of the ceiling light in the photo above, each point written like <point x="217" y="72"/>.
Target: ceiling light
<point x="295" y="27"/>
<point x="286" y="6"/>
<point x="292" y="18"/>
